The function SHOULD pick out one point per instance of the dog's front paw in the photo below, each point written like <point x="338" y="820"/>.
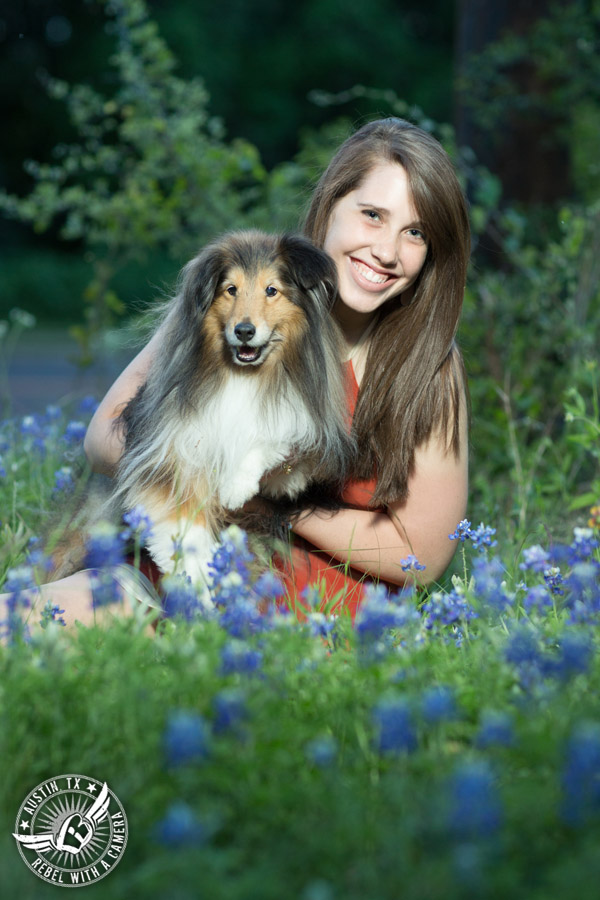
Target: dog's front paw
<point x="285" y="482"/>
<point x="238" y="492"/>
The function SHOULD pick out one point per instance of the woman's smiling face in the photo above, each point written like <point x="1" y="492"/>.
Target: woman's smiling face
<point x="376" y="241"/>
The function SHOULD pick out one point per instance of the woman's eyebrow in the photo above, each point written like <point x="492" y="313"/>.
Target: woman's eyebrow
<point x="374" y="206"/>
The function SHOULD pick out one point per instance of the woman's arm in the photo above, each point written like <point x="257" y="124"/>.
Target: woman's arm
<point x="375" y="542"/>
<point x="103" y="443"/>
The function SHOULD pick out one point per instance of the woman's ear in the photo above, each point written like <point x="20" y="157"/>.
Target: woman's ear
<point x="308" y="266"/>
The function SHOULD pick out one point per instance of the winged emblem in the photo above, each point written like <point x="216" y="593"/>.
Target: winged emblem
<point x="74" y="832"/>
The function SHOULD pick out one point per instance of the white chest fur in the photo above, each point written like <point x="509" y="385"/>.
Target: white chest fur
<point x="240" y="434"/>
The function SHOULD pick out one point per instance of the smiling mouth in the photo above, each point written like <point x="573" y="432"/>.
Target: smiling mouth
<point x="370" y="274"/>
<point x="247" y="355"/>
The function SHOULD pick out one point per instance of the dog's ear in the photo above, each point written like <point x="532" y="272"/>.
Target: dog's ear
<point x="308" y="266"/>
<point x="200" y="279"/>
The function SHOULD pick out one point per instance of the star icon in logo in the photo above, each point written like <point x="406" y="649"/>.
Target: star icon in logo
<point x="24" y="825"/>
<point x="91" y="788"/>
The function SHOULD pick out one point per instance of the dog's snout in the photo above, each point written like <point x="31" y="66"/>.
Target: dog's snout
<point x="244" y="331"/>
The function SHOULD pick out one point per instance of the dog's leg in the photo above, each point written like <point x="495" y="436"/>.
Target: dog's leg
<point x="243" y="484"/>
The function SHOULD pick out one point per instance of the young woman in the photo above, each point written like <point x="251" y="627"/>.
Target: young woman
<point x="391" y="214"/>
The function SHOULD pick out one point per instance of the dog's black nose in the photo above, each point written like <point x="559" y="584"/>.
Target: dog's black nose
<point x="244" y="331"/>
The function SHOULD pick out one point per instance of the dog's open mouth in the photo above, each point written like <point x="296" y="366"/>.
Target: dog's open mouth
<point x="247" y="354"/>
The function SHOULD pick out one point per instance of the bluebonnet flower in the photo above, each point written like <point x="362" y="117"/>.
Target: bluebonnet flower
<point x="411" y="564"/>
<point x="104" y="547"/>
<point x="448" y="608"/>
<point x="139" y="525"/>
<point x="522" y="647"/>
<point x="582" y="585"/>
<point x="268" y="586"/>
<point x="535" y="559"/>
<point x="481" y="537"/>
<point x="240" y="614"/>
<point x="496" y="729"/>
<point x="377" y="615"/>
<point x="394" y="729"/>
<point x="30" y="426"/>
<point x="53" y="413"/>
<point x="581" y="775"/>
<point x="488" y="576"/>
<point x="575" y="655"/>
<point x="475" y="807"/>
<point x="51" y="613"/>
<point x="584" y="543"/>
<point x="237" y="656"/>
<point x="180" y="827"/>
<point x="74" y="432"/>
<point x="87" y="405"/>
<point x="230" y="710"/>
<point x="63" y="479"/>
<point x="2" y="468"/>
<point x="322" y="751"/>
<point x="554" y="581"/>
<point x="438" y="704"/>
<point x="18" y="581"/>
<point x="105" y="589"/>
<point x="231" y="555"/>
<point x="538" y="598"/>
<point x="180" y="597"/>
<point x="462" y="532"/>
<point x="312" y="596"/>
<point x="321" y="625"/>
<point x="186" y="737"/>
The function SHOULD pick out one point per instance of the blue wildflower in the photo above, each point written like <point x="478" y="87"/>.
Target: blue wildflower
<point x="475" y="807"/>
<point x="74" y="432"/>
<point x="495" y="730"/>
<point x="481" y="537"/>
<point x="411" y="564"/>
<point x="322" y="751"/>
<point x="462" y="531"/>
<point x="535" y="559"/>
<point x="139" y="525"/>
<point x="2" y="468"/>
<point x="575" y="655"/>
<point x="394" y="729"/>
<point x="438" y="704"/>
<point x="237" y="656"/>
<point x="104" y="547"/>
<point x="63" y="479"/>
<point x="230" y="710"/>
<point x="268" y="586"/>
<point x="180" y="827"/>
<point x="488" y="575"/>
<point x="105" y="589"/>
<point x="186" y="738"/>
<point x="18" y="582"/>
<point x="448" y="608"/>
<point x="51" y="613"/>
<point x="584" y="543"/>
<point x="538" y="598"/>
<point x="522" y="647"/>
<point x="180" y="597"/>
<point x="240" y="614"/>
<point x="87" y="405"/>
<point x="554" y="581"/>
<point x="53" y="412"/>
<point x="581" y="775"/>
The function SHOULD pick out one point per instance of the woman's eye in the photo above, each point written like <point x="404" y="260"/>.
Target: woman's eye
<point x="232" y="290"/>
<point x="415" y="233"/>
<point x="372" y="215"/>
<point x="271" y="291"/>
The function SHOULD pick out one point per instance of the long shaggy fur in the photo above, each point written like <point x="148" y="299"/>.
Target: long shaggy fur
<point x="247" y="395"/>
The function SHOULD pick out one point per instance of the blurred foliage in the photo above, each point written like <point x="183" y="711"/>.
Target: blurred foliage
<point x="558" y="61"/>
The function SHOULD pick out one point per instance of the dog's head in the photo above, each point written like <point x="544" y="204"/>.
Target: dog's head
<point x="255" y="293"/>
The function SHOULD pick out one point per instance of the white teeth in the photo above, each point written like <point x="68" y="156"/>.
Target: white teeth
<point x="368" y="273"/>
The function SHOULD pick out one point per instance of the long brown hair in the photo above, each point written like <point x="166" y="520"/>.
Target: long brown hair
<point x="414" y="381"/>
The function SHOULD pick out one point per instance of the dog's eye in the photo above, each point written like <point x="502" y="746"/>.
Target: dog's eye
<point x="271" y="291"/>
<point x="232" y="290"/>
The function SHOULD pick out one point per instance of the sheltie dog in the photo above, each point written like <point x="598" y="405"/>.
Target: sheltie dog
<point x="246" y="397"/>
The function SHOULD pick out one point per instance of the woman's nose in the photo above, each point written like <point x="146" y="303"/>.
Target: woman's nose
<point x="386" y="252"/>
